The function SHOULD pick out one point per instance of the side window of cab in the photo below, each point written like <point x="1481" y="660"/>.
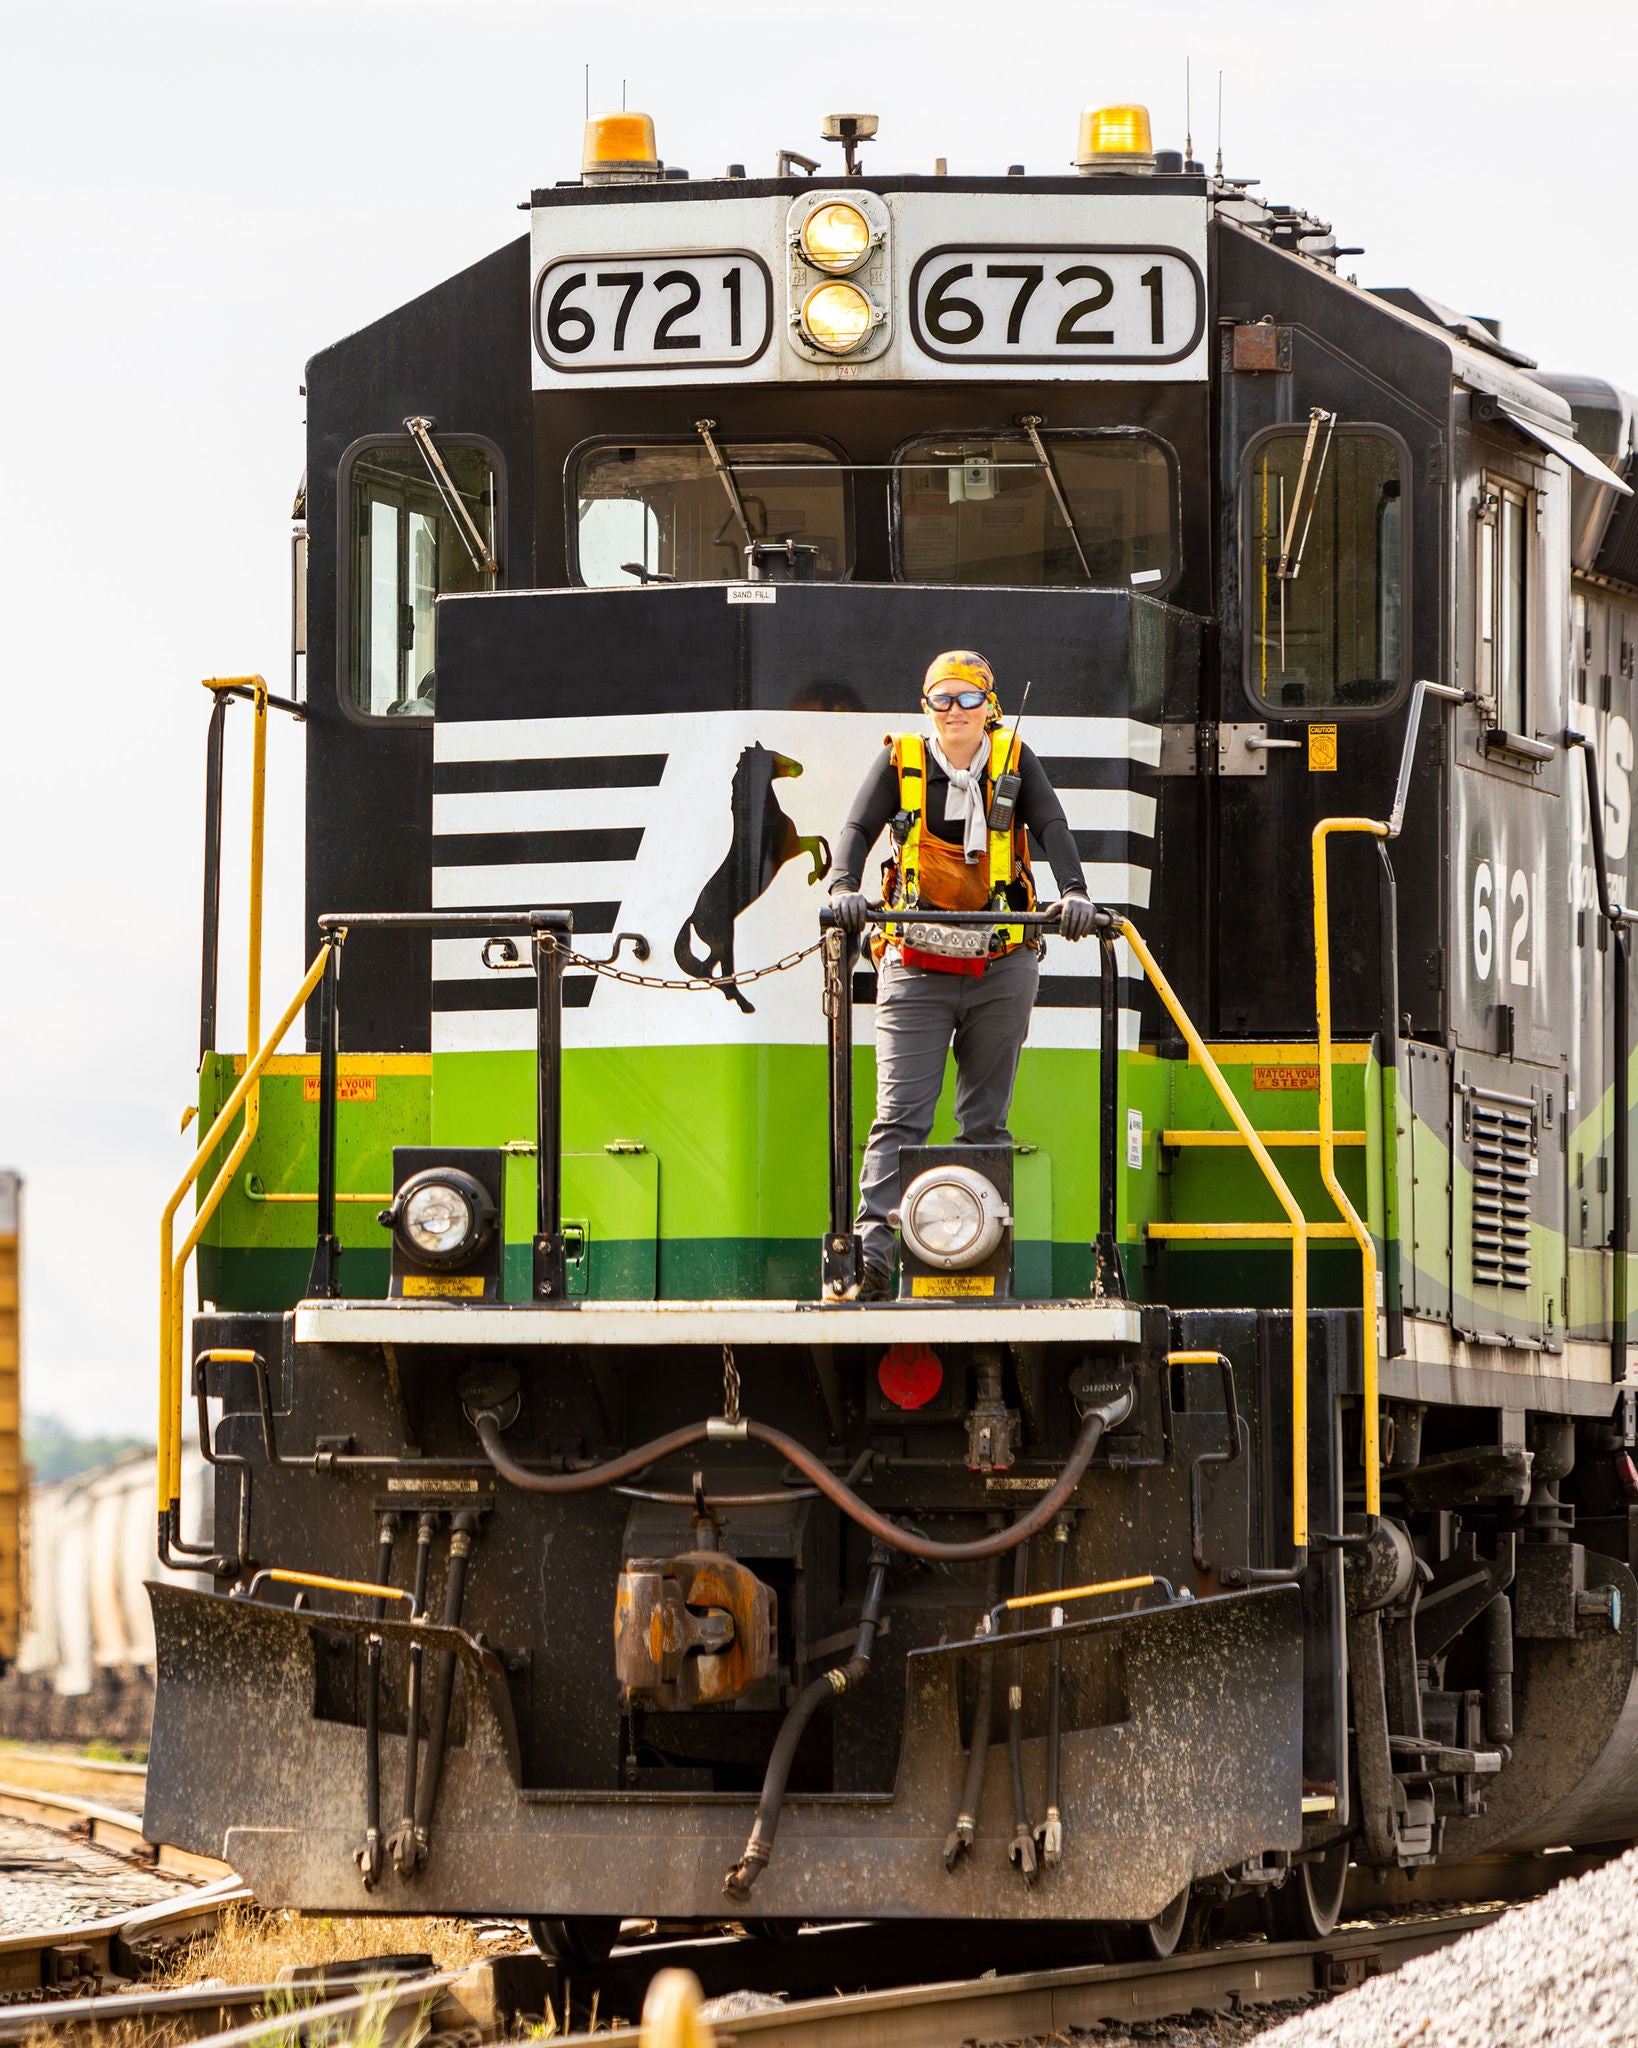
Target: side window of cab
<point x="421" y="516"/>
<point x="1324" y="552"/>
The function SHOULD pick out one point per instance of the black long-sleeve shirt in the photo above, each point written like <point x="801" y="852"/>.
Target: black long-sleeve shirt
<point x="878" y="800"/>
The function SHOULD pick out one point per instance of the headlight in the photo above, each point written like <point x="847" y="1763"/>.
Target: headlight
<point x="441" y="1216"/>
<point x="952" y="1216"/>
<point x="836" y="317"/>
<point x="836" y="237"/>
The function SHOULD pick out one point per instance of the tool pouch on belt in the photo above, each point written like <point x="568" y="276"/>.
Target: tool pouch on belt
<point x="948" y="879"/>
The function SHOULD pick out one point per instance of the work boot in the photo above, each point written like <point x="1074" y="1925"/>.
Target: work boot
<point x="875" y="1283"/>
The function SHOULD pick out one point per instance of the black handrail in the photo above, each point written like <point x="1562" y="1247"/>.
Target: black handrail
<point x="549" y="932"/>
<point x="842" y="1259"/>
<point x="1620" y="921"/>
<point x="210" y="943"/>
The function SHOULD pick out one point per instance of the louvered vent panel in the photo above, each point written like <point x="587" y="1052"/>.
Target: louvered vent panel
<point x="1503" y="1137"/>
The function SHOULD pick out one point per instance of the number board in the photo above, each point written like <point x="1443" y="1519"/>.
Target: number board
<point x="688" y="310"/>
<point x="1057" y="303"/>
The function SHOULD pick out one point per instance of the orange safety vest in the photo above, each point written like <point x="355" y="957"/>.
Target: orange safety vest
<point x="926" y="872"/>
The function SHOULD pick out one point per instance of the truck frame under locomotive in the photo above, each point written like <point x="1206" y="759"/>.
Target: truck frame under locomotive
<point x="1251" y="1489"/>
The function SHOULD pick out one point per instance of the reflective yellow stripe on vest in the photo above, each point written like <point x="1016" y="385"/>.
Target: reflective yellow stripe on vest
<point x="910" y="759"/>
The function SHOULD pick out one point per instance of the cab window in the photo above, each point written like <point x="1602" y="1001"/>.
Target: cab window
<point x="659" y="512"/>
<point x="983" y="509"/>
<point x="406" y="551"/>
<point x="1323" y="532"/>
<point x="1506" y="521"/>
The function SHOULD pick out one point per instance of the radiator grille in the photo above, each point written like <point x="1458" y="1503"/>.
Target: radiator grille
<point x="1502" y="1134"/>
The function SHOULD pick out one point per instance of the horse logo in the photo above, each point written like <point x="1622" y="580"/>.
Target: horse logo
<point x="764" y="839"/>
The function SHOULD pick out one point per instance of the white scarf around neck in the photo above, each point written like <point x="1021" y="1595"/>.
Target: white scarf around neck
<point x="966" y="798"/>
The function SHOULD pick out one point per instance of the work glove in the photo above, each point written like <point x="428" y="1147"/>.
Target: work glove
<point x="850" y="907"/>
<point x="1075" y="915"/>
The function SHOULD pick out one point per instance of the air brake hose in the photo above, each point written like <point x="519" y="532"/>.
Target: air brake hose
<point x="1021" y="1853"/>
<point x="961" y="1837"/>
<point x="1097" y="1420"/>
<point x="463" y="1532"/>
<point x="829" y="1685"/>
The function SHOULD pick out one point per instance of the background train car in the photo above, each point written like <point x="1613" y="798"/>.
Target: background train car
<point x="11" y="1417"/>
<point x="85" y="1666"/>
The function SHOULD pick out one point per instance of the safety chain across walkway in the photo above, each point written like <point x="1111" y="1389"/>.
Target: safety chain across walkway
<point x="702" y="983"/>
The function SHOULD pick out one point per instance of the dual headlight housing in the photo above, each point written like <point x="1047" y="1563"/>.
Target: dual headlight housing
<point x="838" y="280"/>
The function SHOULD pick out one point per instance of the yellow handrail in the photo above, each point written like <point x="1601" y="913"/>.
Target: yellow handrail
<point x="1328" y="1159"/>
<point x="1300" y="1228"/>
<point x="172" y="1269"/>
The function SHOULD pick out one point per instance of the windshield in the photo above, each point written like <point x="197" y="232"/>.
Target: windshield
<point x="660" y="512"/>
<point x="982" y="509"/>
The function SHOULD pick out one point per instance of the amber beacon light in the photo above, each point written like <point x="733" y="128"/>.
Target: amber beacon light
<point x="619" y="150"/>
<point x="1115" y="139"/>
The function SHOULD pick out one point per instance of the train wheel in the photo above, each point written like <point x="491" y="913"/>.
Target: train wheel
<point x="1151" y="1941"/>
<point x="584" y="1938"/>
<point x="1306" y="1906"/>
<point x="774" y="1932"/>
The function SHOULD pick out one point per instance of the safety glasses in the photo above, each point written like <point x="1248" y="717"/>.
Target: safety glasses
<point x="947" y="700"/>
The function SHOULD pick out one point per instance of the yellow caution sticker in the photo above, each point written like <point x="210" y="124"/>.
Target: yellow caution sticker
<point x="1284" y="1080"/>
<point x="349" y="1088"/>
<point x="1322" y="749"/>
<point x="941" y="1286"/>
<point x="466" y="1286"/>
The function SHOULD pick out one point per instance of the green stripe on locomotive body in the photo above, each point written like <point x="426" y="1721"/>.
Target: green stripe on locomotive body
<point x="699" y="1172"/>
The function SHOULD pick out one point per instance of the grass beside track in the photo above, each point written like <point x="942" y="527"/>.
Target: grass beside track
<point x="252" y="1947"/>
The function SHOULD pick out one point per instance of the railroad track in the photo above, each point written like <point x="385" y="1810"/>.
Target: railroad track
<point x="908" y="2000"/>
<point x="495" y="1998"/>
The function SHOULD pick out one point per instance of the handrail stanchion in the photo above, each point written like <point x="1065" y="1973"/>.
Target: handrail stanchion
<point x="1328" y="1146"/>
<point x="840" y="1264"/>
<point x="1108" y="1276"/>
<point x="548" y="930"/>
<point x="210" y="937"/>
<point x="323" y="1283"/>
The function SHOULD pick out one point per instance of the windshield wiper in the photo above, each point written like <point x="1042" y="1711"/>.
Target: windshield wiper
<point x="718" y="462"/>
<point x="1291" y="564"/>
<point x="1032" y="423"/>
<point x="477" y="548"/>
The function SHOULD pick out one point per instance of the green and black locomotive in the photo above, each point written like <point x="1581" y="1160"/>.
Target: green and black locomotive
<point x="1259" y="1497"/>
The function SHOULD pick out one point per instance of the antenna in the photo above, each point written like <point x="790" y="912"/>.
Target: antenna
<point x="622" y="95"/>
<point x="1188" y="115"/>
<point x="588" y="93"/>
<point x="1219" y="124"/>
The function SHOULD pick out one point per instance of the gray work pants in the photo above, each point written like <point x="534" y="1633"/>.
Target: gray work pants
<point x="918" y="1013"/>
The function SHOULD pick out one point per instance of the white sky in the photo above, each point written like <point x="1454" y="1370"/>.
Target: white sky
<point x="196" y="197"/>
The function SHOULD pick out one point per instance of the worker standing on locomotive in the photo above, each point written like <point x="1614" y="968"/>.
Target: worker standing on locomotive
<point x="938" y="795"/>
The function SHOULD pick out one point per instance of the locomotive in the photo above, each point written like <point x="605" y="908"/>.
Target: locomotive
<point x="1241" y="1486"/>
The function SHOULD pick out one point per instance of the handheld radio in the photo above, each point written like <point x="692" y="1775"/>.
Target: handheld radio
<point x="1004" y="797"/>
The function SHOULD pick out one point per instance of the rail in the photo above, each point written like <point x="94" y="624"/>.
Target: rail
<point x="1384" y="832"/>
<point x="173" y="1262"/>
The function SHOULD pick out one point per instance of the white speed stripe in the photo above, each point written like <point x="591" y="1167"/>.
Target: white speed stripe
<point x="541" y="884"/>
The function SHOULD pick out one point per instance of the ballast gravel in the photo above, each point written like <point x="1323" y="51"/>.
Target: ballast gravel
<point x="1561" y="1972"/>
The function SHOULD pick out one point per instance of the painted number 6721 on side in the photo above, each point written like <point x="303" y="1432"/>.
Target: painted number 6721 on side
<point x="1060" y="303"/>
